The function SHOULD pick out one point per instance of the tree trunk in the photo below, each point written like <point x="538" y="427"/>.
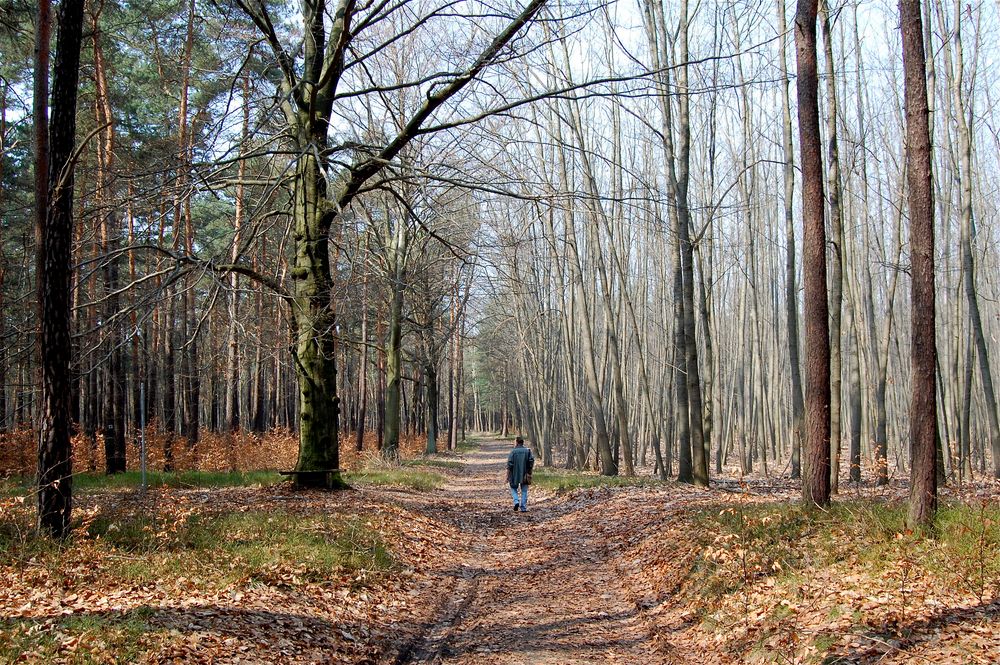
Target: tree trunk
<point x="430" y="372"/>
<point x="398" y="245"/>
<point x="233" y="365"/>
<point x="836" y="281"/>
<point x="968" y="232"/>
<point x="682" y="417"/>
<point x="609" y="467"/>
<point x="816" y="462"/>
<point x="4" y="424"/>
<point x="359" y="433"/>
<point x="315" y="360"/>
<point x="54" y="209"/>
<point x="112" y="339"/>
<point x="854" y="370"/>
<point x="923" y="358"/>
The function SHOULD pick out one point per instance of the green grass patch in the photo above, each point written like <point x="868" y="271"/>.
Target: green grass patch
<point x="417" y="479"/>
<point x="823" y="643"/>
<point x="177" y="480"/>
<point x="213" y="550"/>
<point x="560" y="480"/>
<point x="252" y="545"/>
<point x="469" y="444"/>
<point x="434" y="463"/>
<point x="11" y="487"/>
<point x="81" y="638"/>
<point x="746" y="542"/>
<point x="183" y="554"/>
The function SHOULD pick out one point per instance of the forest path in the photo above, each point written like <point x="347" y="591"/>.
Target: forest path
<point x="540" y="587"/>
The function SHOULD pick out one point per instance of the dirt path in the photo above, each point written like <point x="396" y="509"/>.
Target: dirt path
<point x="539" y="587"/>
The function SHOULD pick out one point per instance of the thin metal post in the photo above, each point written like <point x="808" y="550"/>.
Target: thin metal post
<point x="142" y="430"/>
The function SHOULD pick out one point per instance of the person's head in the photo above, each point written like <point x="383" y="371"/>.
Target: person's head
<point x="519" y="441"/>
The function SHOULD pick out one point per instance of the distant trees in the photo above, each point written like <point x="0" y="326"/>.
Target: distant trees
<point x="733" y="222"/>
<point x="327" y="179"/>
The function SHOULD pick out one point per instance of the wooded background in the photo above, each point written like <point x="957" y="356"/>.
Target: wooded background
<point x="596" y="242"/>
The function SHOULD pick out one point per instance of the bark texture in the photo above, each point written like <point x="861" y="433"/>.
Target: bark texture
<point x="816" y="459"/>
<point x="923" y="358"/>
<point x="55" y="212"/>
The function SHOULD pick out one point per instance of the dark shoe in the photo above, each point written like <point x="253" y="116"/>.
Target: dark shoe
<point x="516" y="507"/>
<point x="524" y="509"/>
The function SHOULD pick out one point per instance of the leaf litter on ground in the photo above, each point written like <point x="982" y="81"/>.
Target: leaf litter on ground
<point x="732" y="575"/>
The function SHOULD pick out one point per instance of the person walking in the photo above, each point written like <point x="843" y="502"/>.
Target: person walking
<point x="520" y="462"/>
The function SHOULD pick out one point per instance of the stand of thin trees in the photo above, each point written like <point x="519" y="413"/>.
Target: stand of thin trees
<point x="614" y="229"/>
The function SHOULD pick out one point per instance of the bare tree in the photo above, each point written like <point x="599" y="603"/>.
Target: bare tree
<point x="816" y="462"/>
<point x="791" y="293"/>
<point x="923" y="354"/>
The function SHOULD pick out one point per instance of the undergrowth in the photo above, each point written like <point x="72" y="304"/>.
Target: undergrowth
<point x="775" y="539"/>
<point x="213" y="548"/>
<point x="763" y="567"/>
<point x="417" y="479"/>
<point x="185" y="553"/>
<point x="433" y="462"/>
<point x="83" y="482"/>
<point x="469" y="444"/>
<point x="104" y="637"/>
<point x="560" y="480"/>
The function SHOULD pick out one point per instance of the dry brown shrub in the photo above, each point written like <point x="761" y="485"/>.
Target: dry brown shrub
<point x="18" y="451"/>
<point x="239" y="451"/>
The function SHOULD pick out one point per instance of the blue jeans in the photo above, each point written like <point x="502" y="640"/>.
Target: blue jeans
<point x="523" y="501"/>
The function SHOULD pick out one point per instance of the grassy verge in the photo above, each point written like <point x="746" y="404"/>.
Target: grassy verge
<point x="109" y="637"/>
<point x="417" y="479"/>
<point x="407" y="475"/>
<point x="782" y="539"/>
<point x="468" y="445"/>
<point x="216" y="550"/>
<point x="433" y="463"/>
<point x="560" y="480"/>
<point x="851" y="570"/>
<point x="173" y="551"/>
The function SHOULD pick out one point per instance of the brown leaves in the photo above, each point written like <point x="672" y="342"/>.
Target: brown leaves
<point x="170" y="603"/>
<point x="674" y="574"/>
<point x="724" y="592"/>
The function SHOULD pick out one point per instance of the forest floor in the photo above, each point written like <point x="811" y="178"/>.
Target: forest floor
<point x="642" y="573"/>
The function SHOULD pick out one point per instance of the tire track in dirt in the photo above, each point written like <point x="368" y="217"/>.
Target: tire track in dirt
<point x="540" y="587"/>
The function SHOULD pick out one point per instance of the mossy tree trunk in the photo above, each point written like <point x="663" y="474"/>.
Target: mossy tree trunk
<point x="311" y="73"/>
<point x="315" y="363"/>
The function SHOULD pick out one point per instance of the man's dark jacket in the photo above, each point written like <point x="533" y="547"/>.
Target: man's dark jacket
<point x="519" y="462"/>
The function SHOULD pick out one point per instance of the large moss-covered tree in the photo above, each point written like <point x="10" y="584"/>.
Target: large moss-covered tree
<point x="328" y="178"/>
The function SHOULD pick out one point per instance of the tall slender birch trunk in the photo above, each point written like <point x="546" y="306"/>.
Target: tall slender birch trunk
<point x="791" y="293"/>
<point x="836" y="265"/>
<point x="968" y="233"/>
<point x="677" y="176"/>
